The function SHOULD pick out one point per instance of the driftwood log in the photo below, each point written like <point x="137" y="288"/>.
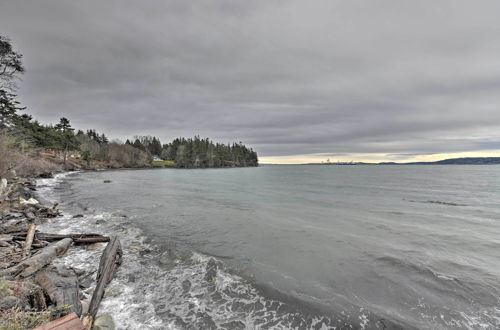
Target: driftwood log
<point x="29" y="240"/>
<point x="21" y="234"/>
<point x="43" y="257"/>
<point x="61" y="285"/>
<point x="77" y="238"/>
<point x="110" y="260"/>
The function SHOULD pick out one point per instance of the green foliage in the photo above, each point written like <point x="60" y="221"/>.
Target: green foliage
<point x="32" y="133"/>
<point x="86" y="155"/>
<point x="8" y="109"/>
<point x="203" y="153"/>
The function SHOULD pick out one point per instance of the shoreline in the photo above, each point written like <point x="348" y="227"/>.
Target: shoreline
<point x="44" y="300"/>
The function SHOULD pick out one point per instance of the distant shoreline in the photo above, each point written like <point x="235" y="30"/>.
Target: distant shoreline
<point x="450" y="161"/>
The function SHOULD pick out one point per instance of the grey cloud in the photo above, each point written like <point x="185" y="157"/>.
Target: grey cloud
<point x="286" y="77"/>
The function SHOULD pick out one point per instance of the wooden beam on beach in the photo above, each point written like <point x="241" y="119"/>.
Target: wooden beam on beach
<point x="110" y="260"/>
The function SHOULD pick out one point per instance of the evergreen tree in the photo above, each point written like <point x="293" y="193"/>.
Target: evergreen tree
<point x="68" y="140"/>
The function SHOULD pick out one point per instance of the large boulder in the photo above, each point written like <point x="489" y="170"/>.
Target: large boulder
<point x="104" y="322"/>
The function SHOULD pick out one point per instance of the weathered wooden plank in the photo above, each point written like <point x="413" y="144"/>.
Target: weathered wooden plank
<point x="110" y="260"/>
<point x="68" y="322"/>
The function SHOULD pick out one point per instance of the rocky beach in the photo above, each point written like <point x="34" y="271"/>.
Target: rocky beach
<point x="36" y="287"/>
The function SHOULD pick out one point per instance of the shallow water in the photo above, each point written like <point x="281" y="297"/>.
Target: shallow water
<point x="306" y="247"/>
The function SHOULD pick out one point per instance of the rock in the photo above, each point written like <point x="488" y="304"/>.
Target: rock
<point x="85" y="306"/>
<point x="86" y="282"/>
<point x="78" y="216"/>
<point x="30" y="216"/>
<point x="25" y="193"/>
<point x="100" y="221"/>
<point x="78" y="271"/>
<point x="10" y="302"/>
<point x="131" y="278"/>
<point x="104" y="322"/>
<point x="107" y="181"/>
<point x="30" y="201"/>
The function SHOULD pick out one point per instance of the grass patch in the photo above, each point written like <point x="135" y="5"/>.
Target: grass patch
<point x="163" y="163"/>
<point x="16" y="319"/>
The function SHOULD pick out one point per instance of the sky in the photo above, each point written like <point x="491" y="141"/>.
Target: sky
<point x="298" y="81"/>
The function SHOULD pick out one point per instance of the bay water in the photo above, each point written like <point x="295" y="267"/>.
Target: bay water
<point x="293" y="246"/>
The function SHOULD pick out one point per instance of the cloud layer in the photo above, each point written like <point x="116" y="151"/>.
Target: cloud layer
<point x="398" y="78"/>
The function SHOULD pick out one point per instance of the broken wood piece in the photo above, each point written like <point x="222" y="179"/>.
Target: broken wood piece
<point x="68" y="322"/>
<point x="61" y="285"/>
<point x="110" y="260"/>
<point x="43" y="257"/>
<point x="77" y="238"/>
<point x="29" y="240"/>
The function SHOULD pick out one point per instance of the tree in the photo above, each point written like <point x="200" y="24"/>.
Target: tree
<point x="8" y="108"/>
<point x="10" y="68"/>
<point x="137" y="144"/>
<point x="155" y="147"/>
<point x="10" y="64"/>
<point x="68" y="139"/>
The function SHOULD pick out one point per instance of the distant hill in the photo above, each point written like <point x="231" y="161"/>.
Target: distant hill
<point x="451" y="161"/>
<point x="462" y="161"/>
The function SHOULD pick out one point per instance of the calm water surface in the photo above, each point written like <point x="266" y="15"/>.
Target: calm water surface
<point x="306" y="247"/>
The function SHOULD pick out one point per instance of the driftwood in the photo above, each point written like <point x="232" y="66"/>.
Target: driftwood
<point x="61" y="285"/>
<point x="5" y="239"/>
<point x="40" y="237"/>
<point x="77" y="238"/>
<point x="31" y="265"/>
<point x="110" y="260"/>
<point x="29" y="240"/>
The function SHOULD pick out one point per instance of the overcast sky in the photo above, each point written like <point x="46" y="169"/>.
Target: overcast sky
<point x="295" y="80"/>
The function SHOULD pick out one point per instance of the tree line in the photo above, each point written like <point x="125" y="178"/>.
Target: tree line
<point x="25" y="134"/>
<point x="197" y="152"/>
